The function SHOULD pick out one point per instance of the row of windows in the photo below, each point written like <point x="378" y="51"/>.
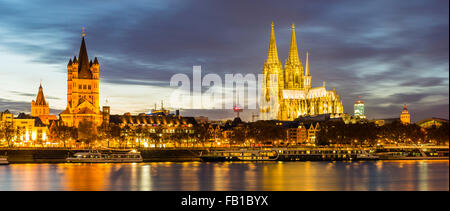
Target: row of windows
<point x="84" y="86"/>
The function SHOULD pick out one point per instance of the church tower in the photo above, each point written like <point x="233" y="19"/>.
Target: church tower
<point x="39" y="107"/>
<point x="273" y="81"/>
<point x="405" y="117"/>
<point x="82" y="89"/>
<point x="293" y="67"/>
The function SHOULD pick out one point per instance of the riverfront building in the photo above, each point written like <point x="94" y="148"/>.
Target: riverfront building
<point x="147" y="130"/>
<point x="287" y="94"/>
<point x="303" y="134"/>
<point x="23" y="130"/>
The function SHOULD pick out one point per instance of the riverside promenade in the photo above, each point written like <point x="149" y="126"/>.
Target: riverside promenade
<point x="59" y="155"/>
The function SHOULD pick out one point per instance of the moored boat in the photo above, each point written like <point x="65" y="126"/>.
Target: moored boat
<point x="4" y="160"/>
<point x="240" y="155"/>
<point x="101" y="157"/>
<point x="289" y="154"/>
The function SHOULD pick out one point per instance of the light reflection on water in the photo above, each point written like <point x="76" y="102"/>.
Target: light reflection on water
<point x="331" y="176"/>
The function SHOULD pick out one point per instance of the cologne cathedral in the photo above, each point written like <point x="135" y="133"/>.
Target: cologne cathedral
<point x="287" y="94"/>
<point x="82" y="90"/>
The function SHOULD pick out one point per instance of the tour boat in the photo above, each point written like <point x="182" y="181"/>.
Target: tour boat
<point x="366" y="156"/>
<point x="101" y="157"/>
<point x="3" y="160"/>
<point x="288" y="154"/>
<point x="240" y="155"/>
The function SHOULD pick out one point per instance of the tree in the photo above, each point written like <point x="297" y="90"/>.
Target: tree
<point x="87" y="131"/>
<point x="8" y="132"/>
<point x="61" y="132"/>
<point x="201" y="133"/>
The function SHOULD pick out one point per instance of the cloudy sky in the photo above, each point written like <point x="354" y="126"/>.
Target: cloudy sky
<point x="388" y="52"/>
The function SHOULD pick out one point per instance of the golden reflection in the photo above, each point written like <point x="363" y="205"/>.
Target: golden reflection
<point x="239" y="176"/>
<point x="86" y="177"/>
<point x="221" y="180"/>
<point x="188" y="176"/>
<point x="146" y="180"/>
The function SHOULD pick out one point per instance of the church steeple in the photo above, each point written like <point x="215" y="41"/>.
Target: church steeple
<point x="307" y="64"/>
<point x="40" y="99"/>
<point x="293" y="52"/>
<point x="272" y="54"/>
<point x="83" y="60"/>
<point x="307" y="73"/>
<point x="39" y="106"/>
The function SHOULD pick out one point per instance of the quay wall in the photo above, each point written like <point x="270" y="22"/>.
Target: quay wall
<point x="60" y="155"/>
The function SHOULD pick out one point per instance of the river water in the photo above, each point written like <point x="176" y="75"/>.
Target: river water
<point x="241" y="176"/>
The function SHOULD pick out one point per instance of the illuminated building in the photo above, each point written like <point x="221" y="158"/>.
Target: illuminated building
<point x="30" y="130"/>
<point x="6" y="118"/>
<point x="312" y="132"/>
<point x="405" y="117"/>
<point x="297" y="134"/>
<point x="359" y="108"/>
<point x="286" y="95"/>
<point x="24" y="130"/>
<point x="160" y="112"/>
<point x="430" y="122"/>
<point x="40" y="108"/>
<point x="82" y="90"/>
<point x="150" y="126"/>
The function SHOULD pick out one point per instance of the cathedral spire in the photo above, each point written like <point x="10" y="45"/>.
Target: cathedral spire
<point x="272" y="55"/>
<point x="293" y="52"/>
<point x="40" y="99"/>
<point x="307" y="64"/>
<point x="83" y="60"/>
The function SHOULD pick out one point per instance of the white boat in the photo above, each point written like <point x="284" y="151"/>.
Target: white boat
<point x="100" y="157"/>
<point x="240" y="155"/>
<point x="4" y="160"/>
<point x="366" y="156"/>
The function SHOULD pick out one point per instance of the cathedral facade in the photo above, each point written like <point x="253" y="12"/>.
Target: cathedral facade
<point x="287" y="93"/>
<point x="82" y="90"/>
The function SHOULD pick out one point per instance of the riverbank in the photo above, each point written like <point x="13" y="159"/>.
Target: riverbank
<point x="60" y="155"/>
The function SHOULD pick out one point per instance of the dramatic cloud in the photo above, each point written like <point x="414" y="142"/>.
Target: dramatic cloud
<point x="388" y="52"/>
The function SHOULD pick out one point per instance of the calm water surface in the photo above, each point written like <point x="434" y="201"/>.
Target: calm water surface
<point x="374" y="175"/>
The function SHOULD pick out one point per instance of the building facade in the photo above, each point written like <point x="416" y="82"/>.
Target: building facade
<point x="23" y="130"/>
<point x="147" y="130"/>
<point x="287" y="94"/>
<point x="430" y="122"/>
<point x="82" y="90"/>
<point x="297" y="135"/>
<point x="359" y="109"/>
